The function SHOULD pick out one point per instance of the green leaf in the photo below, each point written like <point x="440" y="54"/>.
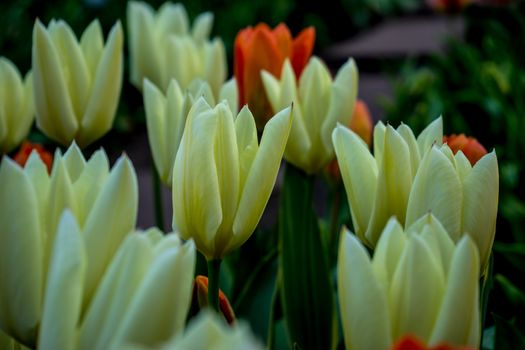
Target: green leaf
<point x="306" y="291"/>
<point x="513" y="294"/>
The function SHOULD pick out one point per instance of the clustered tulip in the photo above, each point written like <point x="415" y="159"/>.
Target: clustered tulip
<point x="319" y="104"/>
<point x="408" y="177"/>
<point x="16" y="101"/>
<point x="418" y="282"/>
<point x="162" y="47"/>
<point x="166" y="117"/>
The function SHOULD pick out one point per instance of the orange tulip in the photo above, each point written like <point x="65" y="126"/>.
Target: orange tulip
<point x="470" y="147"/>
<point x="200" y="295"/>
<point x="27" y="148"/>
<point x="410" y="342"/>
<point x="362" y="124"/>
<point x="262" y="48"/>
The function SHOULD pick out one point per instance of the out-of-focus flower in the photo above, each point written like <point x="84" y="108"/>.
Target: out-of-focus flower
<point x="143" y="297"/>
<point x="76" y="84"/>
<point x="16" y="100"/>
<point x="261" y="48"/>
<point x="166" y="117"/>
<point x="361" y="123"/>
<point x="162" y="47"/>
<point x="207" y="331"/>
<point x="410" y="342"/>
<point x="470" y="147"/>
<point x="408" y="178"/>
<point x="418" y="283"/>
<point x="224" y="178"/>
<point x="104" y="204"/>
<point x="449" y="6"/>
<point x="319" y="104"/>
<point x="200" y="296"/>
<point x="27" y="148"/>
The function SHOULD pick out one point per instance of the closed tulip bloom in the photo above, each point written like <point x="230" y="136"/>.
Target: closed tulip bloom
<point x="218" y="192"/>
<point x="162" y="47"/>
<point x="76" y="84"/>
<point x="166" y="117"/>
<point x="418" y="283"/>
<point x="408" y="177"/>
<point x="319" y="104"/>
<point x="16" y="106"/>
<point x="104" y="204"/>
<point x="143" y="297"/>
<point x="261" y="48"/>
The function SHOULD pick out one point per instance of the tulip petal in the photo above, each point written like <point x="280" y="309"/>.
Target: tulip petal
<point x="407" y="135"/>
<point x="463" y="166"/>
<point x="74" y="161"/>
<point x="172" y="19"/>
<point x="342" y="102"/>
<point x="202" y="27"/>
<point x="51" y="94"/>
<point x="302" y="48"/>
<point x="257" y="189"/>
<point x="175" y="120"/>
<point x="480" y="204"/>
<point x="197" y="209"/>
<point x="431" y="135"/>
<point x="379" y="141"/>
<point x="393" y="185"/>
<point x="283" y="38"/>
<point x="63" y="296"/>
<point x="215" y="67"/>
<point x="36" y="171"/>
<point x="112" y="217"/>
<point x="417" y="289"/>
<point x="160" y="304"/>
<point x="458" y="322"/>
<point x="124" y="274"/>
<point x="92" y="46"/>
<point x="363" y="303"/>
<point x="272" y="87"/>
<point x="230" y="93"/>
<point x="21" y="255"/>
<point x="436" y="189"/>
<point x="105" y="91"/>
<point x="246" y="134"/>
<point x="388" y="252"/>
<point x="359" y="172"/>
<point x="156" y="122"/>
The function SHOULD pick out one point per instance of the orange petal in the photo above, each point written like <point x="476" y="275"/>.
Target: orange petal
<point x="361" y="122"/>
<point x="200" y="292"/>
<point x="411" y="342"/>
<point x="302" y="48"/>
<point x="284" y="39"/>
<point x="239" y="60"/>
<point x="27" y="148"/>
<point x="470" y="147"/>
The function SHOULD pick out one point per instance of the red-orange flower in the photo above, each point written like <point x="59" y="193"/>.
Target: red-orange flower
<point x="27" y="148"/>
<point x="470" y="147"/>
<point x="410" y="342"/>
<point x="200" y="294"/>
<point x="362" y="124"/>
<point x="262" y="48"/>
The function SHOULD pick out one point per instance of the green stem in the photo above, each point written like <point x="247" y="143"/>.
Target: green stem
<point x="214" y="269"/>
<point x="334" y="229"/>
<point x="157" y="194"/>
<point x="486" y="286"/>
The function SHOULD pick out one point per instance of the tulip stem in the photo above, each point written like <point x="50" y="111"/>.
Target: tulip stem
<point x="157" y="194"/>
<point x="214" y="269"/>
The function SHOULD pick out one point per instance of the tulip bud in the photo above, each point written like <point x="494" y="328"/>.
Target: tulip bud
<point x="76" y="84"/>
<point x="218" y="193"/>
<point x="418" y="282"/>
<point x="319" y="104"/>
<point x="16" y="101"/>
<point x="470" y="147"/>
<point x="200" y="297"/>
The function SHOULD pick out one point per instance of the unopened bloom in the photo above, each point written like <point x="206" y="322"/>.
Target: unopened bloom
<point x="163" y="48"/>
<point x="200" y="297"/>
<point x="76" y="84"/>
<point x="319" y="104"/>
<point x="219" y="193"/>
<point x="104" y="204"/>
<point x="16" y="100"/>
<point x="418" y="283"/>
<point x="27" y="148"/>
<point x="408" y="177"/>
<point x="166" y="117"/>
<point x="470" y="147"/>
<point x="143" y="296"/>
<point x="261" y="48"/>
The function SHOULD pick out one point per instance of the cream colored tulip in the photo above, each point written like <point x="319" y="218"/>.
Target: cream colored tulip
<point x="163" y="48"/>
<point x="222" y="177"/>
<point x="166" y="117"/>
<point x="104" y="204"/>
<point x="143" y="297"/>
<point x="319" y="104"/>
<point x="16" y="106"/>
<point x="76" y="84"/>
<point x="408" y="177"/>
<point x="417" y="283"/>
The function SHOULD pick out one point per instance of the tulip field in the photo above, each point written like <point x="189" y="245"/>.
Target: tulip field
<point x="298" y="220"/>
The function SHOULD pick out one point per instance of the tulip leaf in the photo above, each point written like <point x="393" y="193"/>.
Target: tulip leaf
<point x="306" y="291"/>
